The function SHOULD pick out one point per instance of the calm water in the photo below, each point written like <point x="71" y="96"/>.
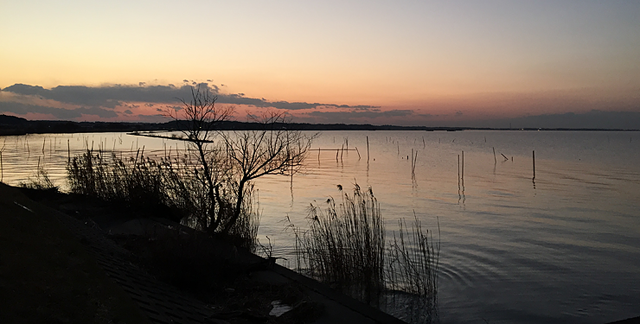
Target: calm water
<point x="562" y="248"/>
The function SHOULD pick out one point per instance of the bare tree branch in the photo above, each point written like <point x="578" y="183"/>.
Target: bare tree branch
<point x="229" y="167"/>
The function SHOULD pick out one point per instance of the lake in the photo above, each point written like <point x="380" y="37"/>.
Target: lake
<point x="563" y="247"/>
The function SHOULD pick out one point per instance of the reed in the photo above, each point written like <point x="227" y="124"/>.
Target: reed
<point x="345" y="247"/>
<point x="40" y="180"/>
<point x="414" y="158"/>
<point x="413" y="265"/>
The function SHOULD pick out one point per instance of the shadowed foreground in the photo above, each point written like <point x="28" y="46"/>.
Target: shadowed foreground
<point x="59" y="269"/>
<point x="47" y="275"/>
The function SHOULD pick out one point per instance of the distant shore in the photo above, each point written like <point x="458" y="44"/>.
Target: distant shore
<point x="11" y="125"/>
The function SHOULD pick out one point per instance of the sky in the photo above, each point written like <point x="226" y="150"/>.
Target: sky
<point x="427" y="63"/>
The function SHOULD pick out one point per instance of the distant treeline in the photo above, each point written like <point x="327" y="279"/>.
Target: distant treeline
<point x="11" y="125"/>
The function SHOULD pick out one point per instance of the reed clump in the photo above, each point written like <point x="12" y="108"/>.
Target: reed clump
<point x="40" y="180"/>
<point x="412" y="267"/>
<point x="345" y="247"/>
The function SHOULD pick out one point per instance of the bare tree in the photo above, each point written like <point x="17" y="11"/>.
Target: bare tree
<point x="198" y="120"/>
<point x="228" y="167"/>
<point x="271" y="149"/>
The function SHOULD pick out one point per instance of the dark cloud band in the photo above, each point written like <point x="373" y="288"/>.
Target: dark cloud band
<point x="111" y="96"/>
<point x="60" y="113"/>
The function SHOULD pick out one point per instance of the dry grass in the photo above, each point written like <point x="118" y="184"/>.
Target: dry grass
<point x="171" y="187"/>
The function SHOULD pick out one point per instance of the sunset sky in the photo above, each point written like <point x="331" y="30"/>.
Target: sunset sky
<point x="382" y="62"/>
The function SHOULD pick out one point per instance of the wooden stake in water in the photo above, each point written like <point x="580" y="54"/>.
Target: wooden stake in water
<point x="534" y="165"/>
<point x="495" y="160"/>
<point x="458" y="172"/>
<point x="414" y="159"/>
<point x="367" y="148"/>
<point x="463" y="168"/>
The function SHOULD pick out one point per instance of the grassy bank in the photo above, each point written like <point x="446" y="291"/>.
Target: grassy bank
<point x="171" y="187"/>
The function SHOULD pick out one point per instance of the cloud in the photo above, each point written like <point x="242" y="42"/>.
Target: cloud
<point x="111" y="96"/>
<point x="240" y="99"/>
<point x="60" y="113"/>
